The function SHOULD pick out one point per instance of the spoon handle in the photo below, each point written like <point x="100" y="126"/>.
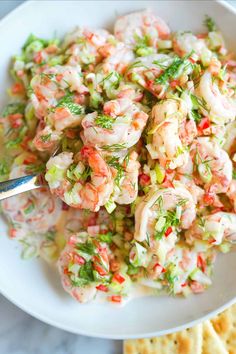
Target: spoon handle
<point x="19" y="185"/>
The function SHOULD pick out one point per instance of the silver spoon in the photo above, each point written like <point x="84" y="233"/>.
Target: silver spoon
<point x="20" y="185"/>
<point x="24" y="184"/>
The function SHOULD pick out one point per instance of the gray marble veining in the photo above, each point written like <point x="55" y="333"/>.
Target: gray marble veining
<point x="22" y="334"/>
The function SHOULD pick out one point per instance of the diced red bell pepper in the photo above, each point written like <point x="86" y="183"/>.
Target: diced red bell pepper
<point x="144" y="179"/>
<point x="157" y="265"/>
<point x="119" y="278"/>
<point x="102" y="287"/>
<point x="116" y="298"/>
<point x="78" y="259"/>
<point x="66" y="271"/>
<point x="201" y="263"/>
<point x="29" y="160"/>
<point x="204" y="124"/>
<point x="208" y="198"/>
<point x="168" y="231"/>
<point x="184" y="284"/>
<point x="65" y="206"/>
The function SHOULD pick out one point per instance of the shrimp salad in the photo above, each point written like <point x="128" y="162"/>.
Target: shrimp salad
<point x="135" y="132"/>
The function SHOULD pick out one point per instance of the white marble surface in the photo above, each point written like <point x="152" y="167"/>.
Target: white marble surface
<point x="22" y="334"/>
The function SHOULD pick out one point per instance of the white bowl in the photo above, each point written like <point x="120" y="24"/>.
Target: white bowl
<point x="34" y="286"/>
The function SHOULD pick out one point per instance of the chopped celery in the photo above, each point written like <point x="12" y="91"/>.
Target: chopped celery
<point x="138" y="255"/>
<point x="110" y="206"/>
<point x="160" y="224"/>
<point x="160" y="173"/>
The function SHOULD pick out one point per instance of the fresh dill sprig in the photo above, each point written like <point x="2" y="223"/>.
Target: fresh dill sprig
<point x="114" y="162"/>
<point x="104" y="121"/>
<point x="114" y="147"/>
<point x="210" y="24"/>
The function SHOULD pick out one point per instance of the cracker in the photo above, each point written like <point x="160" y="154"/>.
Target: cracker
<point x="225" y="326"/>
<point x="188" y="341"/>
<point x="211" y="341"/>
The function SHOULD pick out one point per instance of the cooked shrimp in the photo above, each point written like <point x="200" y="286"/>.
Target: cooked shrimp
<point x="186" y="43"/>
<point x="145" y="23"/>
<point x="231" y="193"/>
<point x="230" y="139"/>
<point x="51" y="85"/>
<point x="84" y="46"/>
<point x="221" y="107"/>
<point x="127" y="190"/>
<point x="119" y="59"/>
<point x="145" y="70"/>
<point x="158" y="204"/>
<point x="213" y="165"/>
<point x="72" y="261"/>
<point x="215" y="229"/>
<point x="62" y="117"/>
<point x="192" y="270"/>
<point x="47" y="139"/>
<point x="34" y="212"/>
<point x="122" y="123"/>
<point x="166" y="142"/>
<point x="31" y="213"/>
<point x="81" y="194"/>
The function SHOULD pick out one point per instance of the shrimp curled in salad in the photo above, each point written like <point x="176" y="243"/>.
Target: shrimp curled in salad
<point x="166" y="143"/>
<point x="213" y="229"/>
<point x="77" y="263"/>
<point x="161" y="201"/>
<point x="130" y="27"/>
<point x="213" y="165"/>
<point x="67" y="178"/>
<point x="122" y="122"/>
<point x="221" y="107"/>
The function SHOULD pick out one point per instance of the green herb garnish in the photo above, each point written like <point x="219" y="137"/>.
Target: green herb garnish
<point x="45" y="138"/>
<point x="32" y="38"/>
<point x="29" y="209"/>
<point x="13" y="108"/>
<point x="234" y="174"/>
<point x="113" y="80"/>
<point x="172" y="71"/>
<point x="4" y="168"/>
<point x="87" y="247"/>
<point x="114" y="162"/>
<point x="13" y="143"/>
<point x="104" y="121"/>
<point x="132" y="270"/>
<point x="114" y="147"/>
<point x="171" y="218"/>
<point x="67" y="102"/>
<point x="196" y="116"/>
<point x="86" y="272"/>
<point x="210" y="24"/>
<point x="35" y="168"/>
<point x="199" y="102"/>
<point x="106" y="237"/>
